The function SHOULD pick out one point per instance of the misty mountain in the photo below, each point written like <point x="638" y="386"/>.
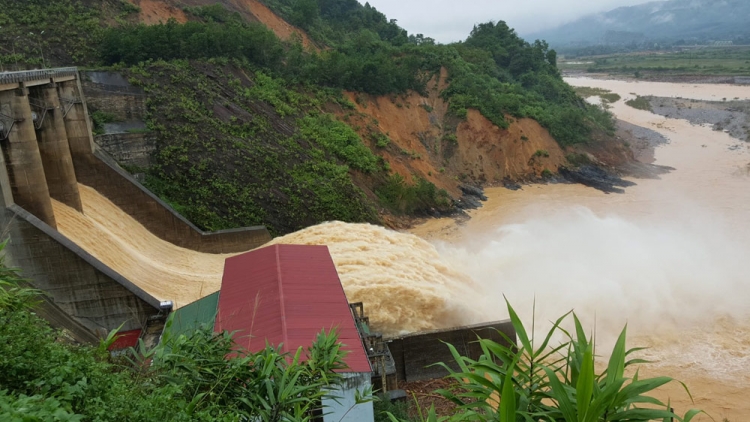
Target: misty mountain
<point x="689" y="20"/>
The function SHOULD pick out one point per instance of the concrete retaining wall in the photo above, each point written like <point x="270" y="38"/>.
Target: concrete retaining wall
<point x="102" y="173"/>
<point x="110" y="92"/>
<point x="130" y="149"/>
<point x="414" y="354"/>
<point x="76" y="282"/>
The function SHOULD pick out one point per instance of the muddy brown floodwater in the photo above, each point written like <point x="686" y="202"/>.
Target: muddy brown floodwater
<point x="162" y="269"/>
<point x="668" y="257"/>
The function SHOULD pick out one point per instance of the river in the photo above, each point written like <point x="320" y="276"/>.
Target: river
<point x="668" y="257"/>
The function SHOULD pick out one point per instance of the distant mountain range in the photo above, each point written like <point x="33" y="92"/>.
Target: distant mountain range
<point x="689" y="20"/>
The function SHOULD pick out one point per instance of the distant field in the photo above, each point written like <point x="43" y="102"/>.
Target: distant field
<point x="699" y="61"/>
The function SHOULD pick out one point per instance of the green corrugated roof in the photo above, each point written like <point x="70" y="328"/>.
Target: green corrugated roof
<point x="192" y="316"/>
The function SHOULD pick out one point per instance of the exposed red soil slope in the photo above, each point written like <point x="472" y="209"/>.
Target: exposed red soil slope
<point x="427" y="142"/>
<point x="280" y="27"/>
<point x="155" y="11"/>
<point x="488" y="153"/>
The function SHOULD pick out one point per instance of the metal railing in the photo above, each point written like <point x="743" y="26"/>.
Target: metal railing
<point x="35" y="75"/>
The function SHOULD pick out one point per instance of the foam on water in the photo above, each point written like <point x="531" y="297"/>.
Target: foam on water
<point x="404" y="283"/>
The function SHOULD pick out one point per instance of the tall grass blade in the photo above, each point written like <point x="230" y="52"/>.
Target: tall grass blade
<point x="585" y="385"/>
<point x="508" y="397"/>
<point x="559" y="393"/>
<point x="691" y="414"/>
<point x="616" y="367"/>
<point x="523" y="336"/>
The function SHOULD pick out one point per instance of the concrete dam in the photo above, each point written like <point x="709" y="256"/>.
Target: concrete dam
<point x="104" y="249"/>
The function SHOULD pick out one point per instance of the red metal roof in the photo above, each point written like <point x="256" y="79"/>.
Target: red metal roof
<point x="125" y="339"/>
<point x="286" y="294"/>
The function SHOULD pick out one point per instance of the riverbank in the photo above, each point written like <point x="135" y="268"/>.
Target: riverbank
<point x="663" y="77"/>
<point x="728" y="115"/>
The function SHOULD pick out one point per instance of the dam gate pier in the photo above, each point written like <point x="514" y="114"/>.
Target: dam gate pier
<point x="47" y="153"/>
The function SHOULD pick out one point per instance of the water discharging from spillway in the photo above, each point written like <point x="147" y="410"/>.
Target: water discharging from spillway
<point x="669" y="257"/>
<point x="162" y="269"/>
<point x="401" y="277"/>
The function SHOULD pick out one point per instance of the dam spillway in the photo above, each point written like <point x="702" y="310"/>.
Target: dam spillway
<point x="105" y="250"/>
<point x="162" y="269"/>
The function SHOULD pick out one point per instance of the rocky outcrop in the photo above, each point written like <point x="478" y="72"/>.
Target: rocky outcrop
<point x="472" y="197"/>
<point x="595" y="177"/>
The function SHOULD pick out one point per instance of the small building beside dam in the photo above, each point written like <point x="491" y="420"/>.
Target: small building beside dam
<point x="284" y="295"/>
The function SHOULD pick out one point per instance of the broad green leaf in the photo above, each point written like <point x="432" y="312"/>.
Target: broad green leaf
<point x="559" y="394"/>
<point x="636" y="388"/>
<point x="508" y="397"/>
<point x="585" y="385"/>
<point x="616" y="367"/>
<point x="520" y="330"/>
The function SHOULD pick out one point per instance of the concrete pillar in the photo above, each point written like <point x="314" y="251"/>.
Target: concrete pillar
<point x="76" y="121"/>
<point x="6" y="197"/>
<point x="54" y="149"/>
<point x="24" y="163"/>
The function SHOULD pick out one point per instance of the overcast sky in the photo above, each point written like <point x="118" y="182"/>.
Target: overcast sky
<point x="448" y="21"/>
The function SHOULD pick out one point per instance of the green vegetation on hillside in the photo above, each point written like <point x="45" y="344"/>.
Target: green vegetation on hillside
<point x="331" y="22"/>
<point x="494" y="70"/>
<point x="63" y="32"/>
<point x="244" y="134"/>
<point x="233" y="152"/>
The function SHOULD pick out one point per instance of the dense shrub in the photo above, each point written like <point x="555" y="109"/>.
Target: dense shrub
<point x="422" y="197"/>
<point x="543" y="379"/>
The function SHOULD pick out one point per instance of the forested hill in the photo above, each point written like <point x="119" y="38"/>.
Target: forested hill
<point x="689" y="21"/>
<point x="254" y="129"/>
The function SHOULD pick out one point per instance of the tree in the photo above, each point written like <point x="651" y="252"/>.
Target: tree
<point x="305" y="13"/>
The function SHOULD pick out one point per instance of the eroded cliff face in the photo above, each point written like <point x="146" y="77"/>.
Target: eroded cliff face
<point x="156" y="11"/>
<point x="490" y="154"/>
<point x="427" y="141"/>
<point x="260" y="12"/>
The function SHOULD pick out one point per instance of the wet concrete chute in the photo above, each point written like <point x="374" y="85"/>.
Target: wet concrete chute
<point x="104" y="249"/>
